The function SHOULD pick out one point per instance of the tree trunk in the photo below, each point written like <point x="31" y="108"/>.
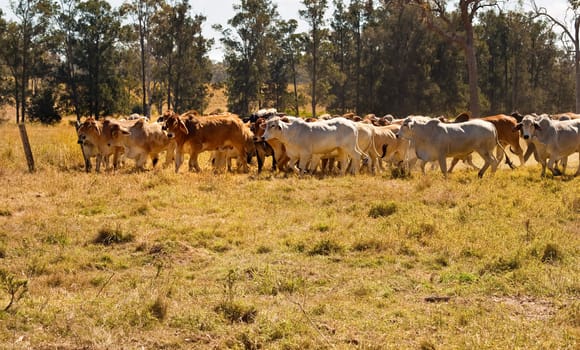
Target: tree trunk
<point x="577" y="61"/>
<point x="577" y="68"/>
<point x="314" y="67"/>
<point x="472" y="71"/>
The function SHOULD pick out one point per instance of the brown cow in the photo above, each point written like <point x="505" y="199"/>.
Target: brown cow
<point x="195" y="134"/>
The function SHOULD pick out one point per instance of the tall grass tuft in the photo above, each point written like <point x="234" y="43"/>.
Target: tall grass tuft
<point x="382" y="209"/>
<point x="552" y="254"/>
<point x="110" y="236"/>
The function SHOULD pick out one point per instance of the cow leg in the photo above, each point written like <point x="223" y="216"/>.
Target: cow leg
<point x="488" y="160"/>
<point x="242" y="159"/>
<point x="314" y="162"/>
<point x="442" y="165"/>
<point x="516" y="149"/>
<point x="303" y="163"/>
<point x="260" y="156"/>
<point x="578" y="170"/>
<point x="355" y="159"/>
<point x="553" y="169"/>
<point x="343" y="160"/>
<point x="469" y="161"/>
<point x="454" y="162"/>
<point x="170" y="155"/>
<point x="178" y="159"/>
<point x="193" y="163"/>
<point x="98" y="161"/>
<point x="155" y="159"/>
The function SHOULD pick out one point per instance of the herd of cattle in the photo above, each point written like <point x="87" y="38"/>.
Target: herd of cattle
<point x="331" y="144"/>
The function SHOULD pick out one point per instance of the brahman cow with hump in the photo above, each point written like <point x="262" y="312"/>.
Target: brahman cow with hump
<point x="506" y="133"/>
<point x="142" y="141"/>
<point x="95" y="138"/>
<point x="307" y="142"/>
<point x="560" y="138"/>
<point x="435" y="141"/>
<point x="195" y="134"/>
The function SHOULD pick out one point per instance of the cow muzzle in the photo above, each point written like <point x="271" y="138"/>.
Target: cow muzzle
<point x="526" y="137"/>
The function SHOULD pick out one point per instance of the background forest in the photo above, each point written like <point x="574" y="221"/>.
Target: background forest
<point x="400" y="57"/>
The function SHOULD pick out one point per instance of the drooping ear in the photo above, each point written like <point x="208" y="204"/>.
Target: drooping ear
<point x="182" y="127"/>
<point x="537" y="126"/>
<point x="518" y="127"/>
<point x="118" y="129"/>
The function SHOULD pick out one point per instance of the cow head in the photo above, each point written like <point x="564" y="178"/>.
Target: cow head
<point x="273" y="128"/>
<point x="172" y="125"/>
<point x="88" y="131"/>
<point x="115" y="133"/>
<point x="406" y="130"/>
<point x="528" y="126"/>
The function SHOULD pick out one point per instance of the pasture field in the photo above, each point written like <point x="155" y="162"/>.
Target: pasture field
<point x="158" y="260"/>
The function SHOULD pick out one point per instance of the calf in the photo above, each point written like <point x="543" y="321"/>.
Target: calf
<point x="142" y="141"/>
<point x="95" y="138"/>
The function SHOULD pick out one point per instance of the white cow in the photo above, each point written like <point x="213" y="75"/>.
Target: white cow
<point x="554" y="139"/>
<point x="435" y="141"/>
<point x="307" y="142"/>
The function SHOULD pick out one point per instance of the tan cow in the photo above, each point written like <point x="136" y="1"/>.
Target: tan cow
<point x="222" y="158"/>
<point x="195" y="134"/>
<point x="95" y="138"/>
<point x="142" y="141"/>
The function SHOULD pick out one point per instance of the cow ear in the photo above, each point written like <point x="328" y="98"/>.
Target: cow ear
<point x="182" y="127"/>
<point x="537" y="126"/>
<point x="517" y="127"/>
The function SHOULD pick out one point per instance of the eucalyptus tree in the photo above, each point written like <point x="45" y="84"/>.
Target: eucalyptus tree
<point x="4" y="81"/>
<point x="141" y="12"/>
<point x="23" y="42"/>
<point x="97" y="30"/>
<point x="341" y="36"/>
<point x="292" y="51"/>
<point x="570" y="27"/>
<point x="313" y="13"/>
<point x="519" y="57"/>
<point x="182" y="55"/>
<point x="458" y="28"/>
<point x="250" y="36"/>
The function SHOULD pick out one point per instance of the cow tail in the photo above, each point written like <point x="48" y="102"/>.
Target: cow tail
<point x="365" y="157"/>
<point x="507" y="159"/>
<point x="384" y="150"/>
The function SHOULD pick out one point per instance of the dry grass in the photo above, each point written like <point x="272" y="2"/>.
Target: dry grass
<point x="274" y="262"/>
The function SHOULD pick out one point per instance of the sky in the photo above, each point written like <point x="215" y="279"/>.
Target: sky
<point x="219" y="11"/>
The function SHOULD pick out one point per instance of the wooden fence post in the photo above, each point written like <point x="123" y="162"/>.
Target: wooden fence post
<point x="26" y="145"/>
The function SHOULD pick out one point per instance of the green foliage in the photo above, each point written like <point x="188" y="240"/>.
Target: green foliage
<point x="43" y="108"/>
